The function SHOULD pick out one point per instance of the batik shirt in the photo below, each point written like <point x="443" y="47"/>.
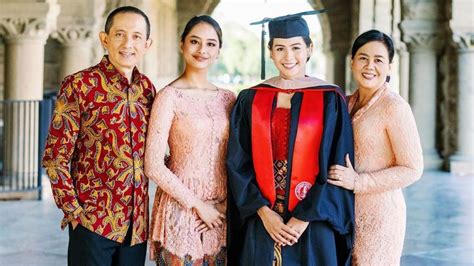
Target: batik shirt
<point x="95" y="148"/>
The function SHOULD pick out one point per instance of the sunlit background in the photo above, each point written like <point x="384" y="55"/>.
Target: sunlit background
<point x="238" y="65"/>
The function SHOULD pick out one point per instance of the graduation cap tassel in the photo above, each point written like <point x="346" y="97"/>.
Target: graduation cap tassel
<point x="262" y="47"/>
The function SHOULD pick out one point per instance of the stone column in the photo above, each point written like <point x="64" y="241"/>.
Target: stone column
<point x="338" y="67"/>
<point x="462" y="162"/>
<point x="424" y="41"/>
<point x="77" y="31"/>
<point x="24" y="26"/>
<point x="404" y="71"/>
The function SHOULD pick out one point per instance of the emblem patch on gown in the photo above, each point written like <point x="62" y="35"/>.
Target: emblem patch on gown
<point x="302" y="189"/>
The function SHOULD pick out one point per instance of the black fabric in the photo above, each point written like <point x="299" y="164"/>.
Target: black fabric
<point x="88" y="248"/>
<point x="329" y="209"/>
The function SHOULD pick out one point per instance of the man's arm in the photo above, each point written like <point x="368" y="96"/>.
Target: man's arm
<point x="63" y="133"/>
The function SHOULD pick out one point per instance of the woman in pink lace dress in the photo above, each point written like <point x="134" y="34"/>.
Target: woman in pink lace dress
<point x="388" y="154"/>
<point x="191" y="115"/>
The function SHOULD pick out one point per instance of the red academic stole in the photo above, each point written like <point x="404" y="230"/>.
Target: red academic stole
<point x="305" y="163"/>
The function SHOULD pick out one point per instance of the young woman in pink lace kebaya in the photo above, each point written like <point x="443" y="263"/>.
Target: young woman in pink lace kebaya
<point x="191" y="116"/>
<point x="388" y="154"/>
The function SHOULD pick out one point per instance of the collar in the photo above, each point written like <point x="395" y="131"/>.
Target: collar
<point x="114" y="75"/>
<point x="375" y="97"/>
<point x="297" y="83"/>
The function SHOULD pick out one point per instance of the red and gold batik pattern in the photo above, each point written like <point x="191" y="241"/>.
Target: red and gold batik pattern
<point x="95" y="148"/>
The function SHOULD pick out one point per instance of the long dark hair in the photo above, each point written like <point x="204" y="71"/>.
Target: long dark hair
<point x="202" y="19"/>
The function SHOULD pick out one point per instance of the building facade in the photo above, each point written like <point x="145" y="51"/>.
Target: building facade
<point x="41" y="41"/>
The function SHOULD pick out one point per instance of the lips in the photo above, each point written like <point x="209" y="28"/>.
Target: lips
<point x="289" y="65"/>
<point x="200" y="58"/>
<point x="126" y="54"/>
<point x="368" y="76"/>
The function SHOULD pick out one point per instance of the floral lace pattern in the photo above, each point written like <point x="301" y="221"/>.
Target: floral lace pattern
<point x="196" y="131"/>
<point x="388" y="158"/>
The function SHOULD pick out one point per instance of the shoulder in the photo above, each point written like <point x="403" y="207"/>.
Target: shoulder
<point x="74" y="83"/>
<point x="246" y="94"/>
<point x="146" y="82"/>
<point x="228" y="95"/>
<point x="395" y="104"/>
<point x="166" y="93"/>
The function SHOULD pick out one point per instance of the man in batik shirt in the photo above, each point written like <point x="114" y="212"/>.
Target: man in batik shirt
<point x="95" y="147"/>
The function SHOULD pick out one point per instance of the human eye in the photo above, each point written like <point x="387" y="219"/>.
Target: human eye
<point x="379" y="61"/>
<point x="279" y="49"/>
<point x="137" y="37"/>
<point x="119" y="34"/>
<point x="193" y="41"/>
<point x="211" y="44"/>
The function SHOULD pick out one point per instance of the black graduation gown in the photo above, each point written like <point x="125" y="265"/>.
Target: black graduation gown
<point x="329" y="237"/>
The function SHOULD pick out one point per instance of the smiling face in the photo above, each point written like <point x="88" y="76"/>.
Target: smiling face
<point x="371" y="65"/>
<point x="290" y="56"/>
<point x="126" y="41"/>
<point x="200" y="47"/>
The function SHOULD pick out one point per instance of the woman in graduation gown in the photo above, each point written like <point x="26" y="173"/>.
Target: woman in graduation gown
<point x="285" y="133"/>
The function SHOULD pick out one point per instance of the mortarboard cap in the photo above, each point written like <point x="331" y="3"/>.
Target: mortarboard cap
<point x="285" y="27"/>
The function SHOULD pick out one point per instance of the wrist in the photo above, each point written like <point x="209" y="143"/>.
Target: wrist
<point x="263" y="210"/>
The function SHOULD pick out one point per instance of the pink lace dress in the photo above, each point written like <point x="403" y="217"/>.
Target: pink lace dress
<point x="388" y="158"/>
<point x="196" y="130"/>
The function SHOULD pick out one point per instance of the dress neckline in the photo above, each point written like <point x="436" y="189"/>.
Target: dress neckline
<point x="182" y="92"/>
<point x="354" y="97"/>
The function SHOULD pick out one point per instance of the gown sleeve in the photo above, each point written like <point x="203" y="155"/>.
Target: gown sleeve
<point x="326" y="202"/>
<point x="406" y="148"/>
<point x="244" y="193"/>
<point x="161" y="119"/>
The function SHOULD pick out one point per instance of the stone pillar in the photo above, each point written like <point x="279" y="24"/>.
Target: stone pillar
<point x="424" y="41"/>
<point x="404" y="71"/>
<point x="462" y="162"/>
<point x="338" y="66"/>
<point x="166" y="43"/>
<point x="24" y="26"/>
<point x="78" y="28"/>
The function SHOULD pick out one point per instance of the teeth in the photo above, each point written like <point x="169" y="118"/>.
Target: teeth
<point x="368" y="76"/>
<point x="289" y="65"/>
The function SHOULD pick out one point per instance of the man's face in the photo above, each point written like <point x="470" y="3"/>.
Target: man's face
<point x="126" y="41"/>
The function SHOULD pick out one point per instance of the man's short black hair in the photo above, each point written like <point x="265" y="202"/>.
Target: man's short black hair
<point x="127" y="9"/>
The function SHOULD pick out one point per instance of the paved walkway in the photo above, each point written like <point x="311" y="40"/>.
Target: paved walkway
<point x="439" y="229"/>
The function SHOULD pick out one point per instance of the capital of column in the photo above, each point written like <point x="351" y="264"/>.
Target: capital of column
<point x="73" y="34"/>
<point x="27" y="21"/>
<point x="423" y="35"/>
<point x="464" y="41"/>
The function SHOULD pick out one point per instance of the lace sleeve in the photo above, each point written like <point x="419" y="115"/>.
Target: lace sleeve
<point x="161" y="119"/>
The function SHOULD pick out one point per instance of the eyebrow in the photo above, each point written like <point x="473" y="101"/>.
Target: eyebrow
<point x="197" y="37"/>
<point x="294" y="44"/>
<point x="364" y="54"/>
<point x="135" y="32"/>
